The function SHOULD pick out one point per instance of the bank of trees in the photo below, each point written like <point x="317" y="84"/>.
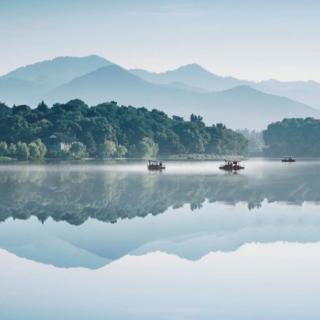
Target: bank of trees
<point x="109" y="130"/>
<point x="297" y="137"/>
<point x="36" y="150"/>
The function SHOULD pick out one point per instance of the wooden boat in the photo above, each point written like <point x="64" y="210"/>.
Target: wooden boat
<point x="231" y="165"/>
<point x="155" y="165"/>
<point x="289" y="159"/>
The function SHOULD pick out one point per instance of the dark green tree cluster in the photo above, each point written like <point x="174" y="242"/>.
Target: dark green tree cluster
<point x="109" y="130"/>
<point x="293" y="137"/>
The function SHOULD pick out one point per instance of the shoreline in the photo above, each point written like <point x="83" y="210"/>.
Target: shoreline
<point x="133" y="160"/>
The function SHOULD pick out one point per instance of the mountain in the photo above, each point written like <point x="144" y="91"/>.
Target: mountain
<point x="183" y="86"/>
<point x="188" y="89"/>
<point x="239" y="107"/>
<point x="104" y="84"/>
<point x="307" y="92"/>
<point x="59" y="70"/>
<point x="28" y="84"/>
<point x="192" y="75"/>
<point x="256" y="109"/>
<point x="195" y="76"/>
<point x="19" y="91"/>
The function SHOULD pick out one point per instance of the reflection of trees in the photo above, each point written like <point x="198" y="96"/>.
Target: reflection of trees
<point x="76" y="195"/>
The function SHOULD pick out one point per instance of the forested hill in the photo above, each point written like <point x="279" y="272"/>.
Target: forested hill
<point x="108" y="130"/>
<point x="293" y="137"/>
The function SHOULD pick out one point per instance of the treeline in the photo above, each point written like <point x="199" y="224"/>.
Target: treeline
<point x="35" y="150"/>
<point x="293" y="137"/>
<point x="109" y="130"/>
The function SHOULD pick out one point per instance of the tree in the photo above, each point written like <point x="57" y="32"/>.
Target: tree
<point x="147" y="148"/>
<point x="4" y="110"/>
<point x="22" y="109"/>
<point x="88" y="140"/>
<point x="121" y="151"/>
<point x="195" y="118"/>
<point x="34" y="151"/>
<point x="42" y="148"/>
<point x="12" y="150"/>
<point x="3" y="148"/>
<point x="107" y="149"/>
<point x="111" y="130"/>
<point x="296" y="137"/>
<point x="22" y="152"/>
<point x="77" y="150"/>
<point x="42" y="107"/>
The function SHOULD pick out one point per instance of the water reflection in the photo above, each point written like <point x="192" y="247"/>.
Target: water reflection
<point x="269" y="203"/>
<point x="110" y="193"/>
<point x="114" y="241"/>
<point x="275" y="281"/>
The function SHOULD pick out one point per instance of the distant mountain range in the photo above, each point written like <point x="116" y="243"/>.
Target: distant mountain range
<point x="30" y="84"/>
<point x="59" y="70"/>
<point x="194" y="76"/>
<point x="191" y="75"/>
<point x="188" y="89"/>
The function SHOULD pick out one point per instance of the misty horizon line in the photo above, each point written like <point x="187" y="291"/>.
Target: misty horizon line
<point x="166" y="70"/>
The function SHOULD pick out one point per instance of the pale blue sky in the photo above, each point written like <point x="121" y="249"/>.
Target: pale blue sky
<point x="250" y="39"/>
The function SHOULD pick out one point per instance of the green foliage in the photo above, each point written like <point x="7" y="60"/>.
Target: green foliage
<point x="147" y="148"/>
<point x="226" y="142"/>
<point x="293" y="137"/>
<point x="110" y="130"/>
<point x="37" y="150"/>
<point x="3" y="149"/>
<point x="12" y="150"/>
<point x="42" y="107"/>
<point x="195" y="118"/>
<point x="121" y="151"/>
<point x="107" y="149"/>
<point x="34" y="152"/>
<point x="22" y="151"/>
<point x="77" y="150"/>
<point x="42" y="148"/>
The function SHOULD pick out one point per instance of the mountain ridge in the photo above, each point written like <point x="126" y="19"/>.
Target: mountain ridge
<point x="34" y="70"/>
<point x="307" y="92"/>
<point x="179" y="91"/>
<point x="241" y="106"/>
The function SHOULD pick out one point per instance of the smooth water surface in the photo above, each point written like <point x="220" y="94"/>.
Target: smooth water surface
<point x="114" y="241"/>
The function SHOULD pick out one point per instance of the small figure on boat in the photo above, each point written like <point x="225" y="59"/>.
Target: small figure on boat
<point x="156" y="165"/>
<point x="231" y="165"/>
<point x="288" y="159"/>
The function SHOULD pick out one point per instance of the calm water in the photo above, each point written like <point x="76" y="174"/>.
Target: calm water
<point x="113" y="241"/>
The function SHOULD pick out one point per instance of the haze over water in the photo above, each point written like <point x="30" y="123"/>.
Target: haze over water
<point x="112" y="240"/>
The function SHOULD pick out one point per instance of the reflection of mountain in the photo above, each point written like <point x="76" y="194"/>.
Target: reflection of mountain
<point x="278" y="282"/>
<point x="75" y="195"/>
<point x="180" y="232"/>
<point x="30" y="240"/>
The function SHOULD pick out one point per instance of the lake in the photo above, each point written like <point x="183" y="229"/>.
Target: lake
<point x="114" y="241"/>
